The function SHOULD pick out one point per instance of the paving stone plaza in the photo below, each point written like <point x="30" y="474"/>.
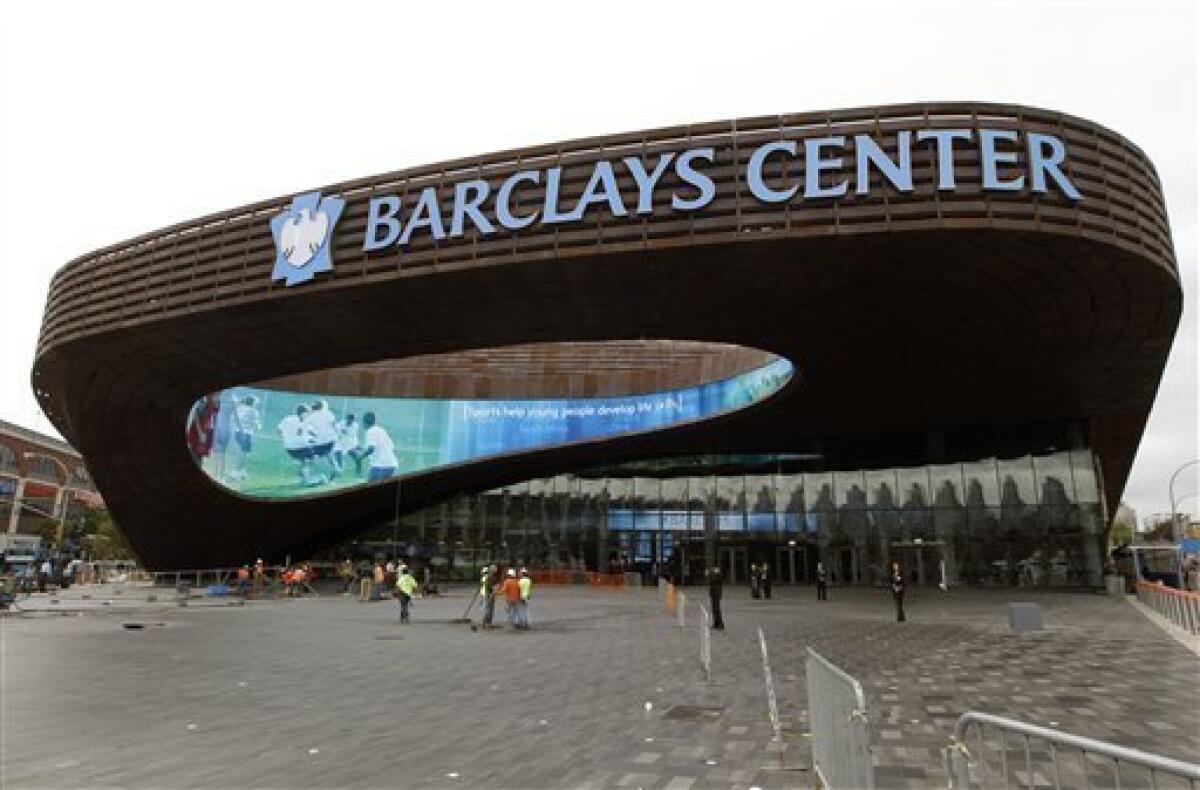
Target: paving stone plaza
<point x="604" y="691"/>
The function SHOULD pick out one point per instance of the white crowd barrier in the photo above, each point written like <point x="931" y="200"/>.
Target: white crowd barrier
<point x="1005" y="752"/>
<point x="837" y="714"/>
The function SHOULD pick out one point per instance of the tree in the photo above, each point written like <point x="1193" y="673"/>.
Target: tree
<point x="102" y="536"/>
<point x="1123" y="527"/>
<point x="1160" y="530"/>
<point x="47" y="530"/>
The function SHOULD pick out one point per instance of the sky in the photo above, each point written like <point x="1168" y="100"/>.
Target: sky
<point x="118" y="118"/>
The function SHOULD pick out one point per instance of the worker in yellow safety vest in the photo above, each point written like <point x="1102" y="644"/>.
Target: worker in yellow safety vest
<point x="525" y="585"/>
<point x="406" y="587"/>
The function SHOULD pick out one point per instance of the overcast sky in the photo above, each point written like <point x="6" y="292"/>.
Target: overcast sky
<point x="119" y="118"/>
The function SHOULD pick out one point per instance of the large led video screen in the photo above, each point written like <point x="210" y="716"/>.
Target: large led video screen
<point x="275" y="444"/>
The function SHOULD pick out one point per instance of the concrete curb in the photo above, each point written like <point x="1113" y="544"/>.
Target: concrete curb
<point x="1181" y="636"/>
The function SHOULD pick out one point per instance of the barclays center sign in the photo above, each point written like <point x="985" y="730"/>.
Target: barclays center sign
<point x="830" y="168"/>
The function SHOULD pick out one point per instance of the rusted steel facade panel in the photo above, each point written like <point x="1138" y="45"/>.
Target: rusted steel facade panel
<point x="925" y="308"/>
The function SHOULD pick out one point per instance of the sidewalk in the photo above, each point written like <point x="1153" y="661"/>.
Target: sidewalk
<point x="117" y="597"/>
<point x="1180" y="635"/>
<point x="330" y="692"/>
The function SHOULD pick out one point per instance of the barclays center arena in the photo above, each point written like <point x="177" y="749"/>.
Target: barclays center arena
<point x="925" y="333"/>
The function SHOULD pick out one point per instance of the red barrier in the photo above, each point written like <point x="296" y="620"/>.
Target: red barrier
<point x="590" y="578"/>
<point x="1162" y="589"/>
<point x="1179" y="606"/>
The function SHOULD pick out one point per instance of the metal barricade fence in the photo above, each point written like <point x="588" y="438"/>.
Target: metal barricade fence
<point x="186" y="582"/>
<point x="1032" y="756"/>
<point x="1179" y="606"/>
<point x="705" y="644"/>
<point x="680" y="608"/>
<point x="837" y="713"/>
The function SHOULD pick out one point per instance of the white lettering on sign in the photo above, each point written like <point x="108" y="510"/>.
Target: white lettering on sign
<point x="780" y="171"/>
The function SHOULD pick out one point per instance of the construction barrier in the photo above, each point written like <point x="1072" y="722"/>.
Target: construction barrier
<point x="1179" y="606"/>
<point x="590" y="578"/>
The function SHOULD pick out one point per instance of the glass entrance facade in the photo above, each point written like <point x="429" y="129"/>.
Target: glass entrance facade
<point x="1034" y="520"/>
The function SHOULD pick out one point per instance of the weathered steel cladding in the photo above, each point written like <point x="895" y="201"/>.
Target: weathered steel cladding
<point x="227" y="257"/>
<point x="936" y="308"/>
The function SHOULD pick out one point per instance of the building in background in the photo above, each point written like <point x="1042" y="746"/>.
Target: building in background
<point x="45" y="489"/>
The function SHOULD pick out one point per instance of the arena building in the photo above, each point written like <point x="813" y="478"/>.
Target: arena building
<point x="926" y="333"/>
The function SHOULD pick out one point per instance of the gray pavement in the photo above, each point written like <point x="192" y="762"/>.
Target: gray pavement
<point x="329" y="692"/>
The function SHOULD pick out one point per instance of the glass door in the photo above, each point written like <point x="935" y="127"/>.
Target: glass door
<point x="791" y="565"/>
<point x="920" y="563"/>
<point x="733" y="564"/>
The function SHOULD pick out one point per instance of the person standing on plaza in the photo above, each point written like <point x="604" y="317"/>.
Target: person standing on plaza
<point x="260" y="577"/>
<point x="243" y="579"/>
<point x="300" y="579"/>
<point x="898" y="591"/>
<point x="380" y="580"/>
<point x="525" y="584"/>
<point x="487" y="598"/>
<point x="764" y="580"/>
<point x="754" y="593"/>
<point x="715" y="583"/>
<point x="512" y="597"/>
<point x="822" y="582"/>
<point x="406" y="588"/>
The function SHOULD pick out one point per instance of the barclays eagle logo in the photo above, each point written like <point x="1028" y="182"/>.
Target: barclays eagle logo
<point x="302" y="235"/>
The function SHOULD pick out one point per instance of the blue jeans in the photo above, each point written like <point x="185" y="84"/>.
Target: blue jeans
<point x="523" y="614"/>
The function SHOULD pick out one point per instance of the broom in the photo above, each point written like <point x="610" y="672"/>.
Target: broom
<point x="466" y="615"/>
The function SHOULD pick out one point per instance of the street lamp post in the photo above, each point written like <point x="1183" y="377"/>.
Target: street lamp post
<point x="1171" y="493"/>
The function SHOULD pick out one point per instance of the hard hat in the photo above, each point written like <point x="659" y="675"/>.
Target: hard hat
<point x="511" y="572"/>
